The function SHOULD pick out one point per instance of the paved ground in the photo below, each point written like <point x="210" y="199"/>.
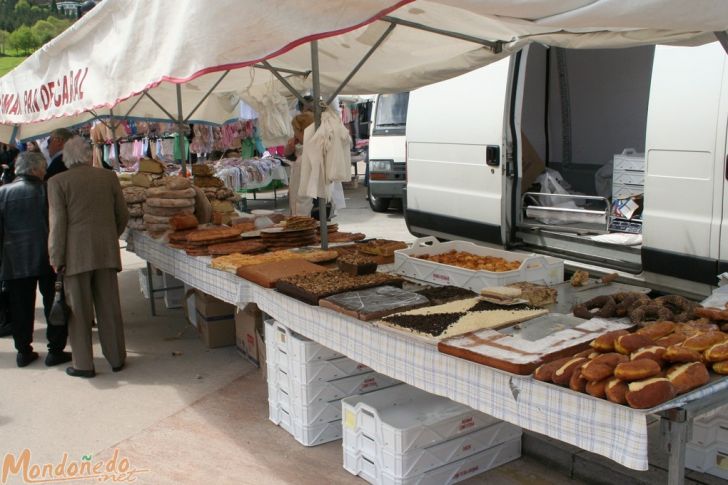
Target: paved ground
<point x="183" y="413"/>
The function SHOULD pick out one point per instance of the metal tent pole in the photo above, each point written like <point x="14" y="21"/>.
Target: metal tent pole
<point x="180" y="131"/>
<point x="317" y="121"/>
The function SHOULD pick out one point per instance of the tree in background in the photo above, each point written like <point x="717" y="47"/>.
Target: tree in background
<point x="23" y="39"/>
<point x="43" y="31"/>
<point x="4" y="36"/>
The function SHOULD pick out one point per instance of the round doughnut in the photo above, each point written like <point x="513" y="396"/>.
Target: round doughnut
<point x="636" y="370"/>
<point x="625" y="300"/>
<point x="721" y="367"/>
<point x="605" y="307"/>
<point x="605" y="343"/>
<point x="562" y="375"/>
<point x="657" y="329"/>
<point x="597" y="388"/>
<point x="626" y="344"/>
<point x="651" y="312"/>
<point x="602" y="366"/>
<point x="678" y="353"/>
<point x="578" y="382"/>
<point x="686" y="377"/>
<point x="717" y="352"/>
<point x="653" y="352"/>
<point x="545" y="372"/>
<point x="682" y="308"/>
<point x="672" y="339"/>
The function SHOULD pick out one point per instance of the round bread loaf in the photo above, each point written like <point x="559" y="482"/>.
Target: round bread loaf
<point x="615" y="390"/>
<point x="134" y="195"/>
<point x="605" y="343"/>
<point x="170" y="203"/>
<point x="678" y="353"/>
<point x="167" y="211"/>
<point x="167" y="193"/>
<point x="657" y="330"/>
<point x="686" y="377"/>
<point x="637" y="370"/>
<point x="177" y="183"/>
<point x="653" y="352"/>
<point x="152" y="219"/>
<point x="562" y="375"/>
<point x="717" y="352"/>
<point x="545" y="372"/>
<point x="626" y="344"/>
<point x="649" y="393"/>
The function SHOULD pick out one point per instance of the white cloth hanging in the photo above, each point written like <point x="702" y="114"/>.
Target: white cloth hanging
<point x="274" y="118"/>
<point x="326" y="156"/>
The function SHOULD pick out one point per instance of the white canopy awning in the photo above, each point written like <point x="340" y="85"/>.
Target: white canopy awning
<point x="123" y="48"/>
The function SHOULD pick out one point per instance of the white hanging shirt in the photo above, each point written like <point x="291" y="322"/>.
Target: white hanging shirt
<point x="326" y="156"/>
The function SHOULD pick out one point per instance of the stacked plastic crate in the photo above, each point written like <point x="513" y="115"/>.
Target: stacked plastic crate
<point x="306" y="382"/>
<point x="404" y="435"/>
<point x="707" y="451"/>
<point x="628" y="184"/>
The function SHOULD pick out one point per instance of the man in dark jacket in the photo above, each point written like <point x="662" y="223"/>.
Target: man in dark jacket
<point x="56" y="142"/>
<point x="24" y="262"/>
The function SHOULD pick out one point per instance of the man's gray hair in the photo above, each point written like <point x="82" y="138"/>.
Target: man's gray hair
<point x="28" y="162"/>
<point x="76" y="152"/>
<point x="62" y="133"/>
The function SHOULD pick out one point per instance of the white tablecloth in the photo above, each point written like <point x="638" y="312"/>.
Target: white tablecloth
<point x="596" y="425"/>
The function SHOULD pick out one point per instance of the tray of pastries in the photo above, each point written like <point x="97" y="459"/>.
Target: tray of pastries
<point x="310" y="288"/>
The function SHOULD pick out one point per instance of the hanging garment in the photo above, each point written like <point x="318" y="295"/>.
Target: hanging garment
<point x="176" y="155"/>
<point x="274" y="117"/>
<point x="326" y="156"/>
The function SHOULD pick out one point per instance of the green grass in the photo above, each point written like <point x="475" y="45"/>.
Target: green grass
<point x="8" y="63"/>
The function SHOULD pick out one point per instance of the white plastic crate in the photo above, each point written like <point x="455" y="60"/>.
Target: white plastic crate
<point x="403" y="418"/>
<point x="625" y="191"/>
<point x="294" y="346"/>
<point x="534" y="268"/>
<point x="173" y="298"/>
<point x="709" y="431"/>
<point x="322" y="370"/>
<point x="156" y="281"/>
<point x="628" y="177"/>
<point x="629" y="159"/>
<point x="279" y="401"/>
<point x="310" y="435"/>
<point x="712" y="459"/>
<point x="363" y="466"/>
<point x="310" y="393"/>
<point x="420" y="460"/>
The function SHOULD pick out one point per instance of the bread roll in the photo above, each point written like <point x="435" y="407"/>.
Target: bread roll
<point x="597" y="388"/>
<point x="653" y="352"/>
<point x="657" y="330"/>
<point x="649" y="392"/>
<point x="717" y="352"/>
<point x="562" y="375"/>
<point x="721" y="367"/>
<point x="615" y="390"/>
<point x="637" y="370"/>
<point x="626" y="344"/>
<point x="605" y="343"/>
<point x="703" y="341"/>
<point x="545" y="372"/>
<point x="678" y="353"/>
<point x="686" y="377"/>
<point x="181" y="222"/>
<point x="602" y="366"/>
<point x="578" y="382"/>
<point x="672" y="339"/>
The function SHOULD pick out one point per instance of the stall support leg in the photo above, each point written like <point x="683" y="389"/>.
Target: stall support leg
<point x="674" y="429"/>
<point x="275" y="197"/>
<point x="150" y="285"/>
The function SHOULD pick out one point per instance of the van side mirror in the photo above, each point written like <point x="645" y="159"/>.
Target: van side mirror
<point x="492" y="155"/>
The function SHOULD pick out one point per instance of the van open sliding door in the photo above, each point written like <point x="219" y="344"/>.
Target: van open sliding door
<point x="455" y="160"/>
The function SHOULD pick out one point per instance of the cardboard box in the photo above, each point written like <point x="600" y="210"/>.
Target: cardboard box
<point x="248" y="322"/>
<point x="215" y="320"/>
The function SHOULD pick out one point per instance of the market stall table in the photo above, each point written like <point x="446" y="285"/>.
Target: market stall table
<point x="596" y="425"/>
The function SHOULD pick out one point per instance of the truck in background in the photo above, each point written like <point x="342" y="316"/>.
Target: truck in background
<point x="387" y="165"/>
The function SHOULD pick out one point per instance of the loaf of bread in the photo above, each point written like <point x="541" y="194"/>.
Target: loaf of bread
<point x="208" y="235"/>
<point x="202" y="169"/>
<point x="615" y="390"/>
<point x="168" y="211"/>
<point x="626" y="344"/>
<point x="135" y="210"/>
<point x="649" y="392"/>
<point x="222" y="206"/>
<point x="578" y="382"/>
<point x="703" y="341"/>
<point x="147" y="165"/>
<point x="721" y="367"/>
<point x="652" y="352"/>
<point x="597" y="388"/>
<point x="152" y="219"/>
<point x="545" y="372"/>
<point x="678" y="353"/>
<point x="605" y="343"/>
<point x="167" y="193"/>
<point x="672" y="339"/>
<point x="717" y="352"/>
<point x="181" y="222"/>
<point x="143" y="180"/>
<point x="562" y="375"/>
<point x="170" y="203"/>
<point x="134" y="195"/>
<point x="637" y="370"/>
<point x="178" y="183"/>
<point x="657" y="330"/>
<point x="686" y="377"/>
<point x="602" y="366"/>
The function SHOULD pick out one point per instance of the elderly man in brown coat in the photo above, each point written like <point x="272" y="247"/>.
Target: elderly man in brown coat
<point x="87" y="216"/>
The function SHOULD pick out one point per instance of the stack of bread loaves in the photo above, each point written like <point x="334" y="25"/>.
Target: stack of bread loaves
<point x="149" y="171"/>
<point x="204" y="176"/>
<point x="175" y="197"/>
<point x="221" y="198"/>
<point x="134" y="197"/>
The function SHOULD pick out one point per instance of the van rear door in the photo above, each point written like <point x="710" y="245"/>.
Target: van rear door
<point x="455" y="159"/>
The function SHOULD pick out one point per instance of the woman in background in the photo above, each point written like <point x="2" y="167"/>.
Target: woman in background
<point x="299" y="205"/>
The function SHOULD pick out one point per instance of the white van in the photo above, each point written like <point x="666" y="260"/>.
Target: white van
<point x="476" y="144"/>
<point x="387" y="168"/>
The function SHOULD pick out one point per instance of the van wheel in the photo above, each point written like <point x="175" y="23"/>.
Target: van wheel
<point x="378" y="204"/>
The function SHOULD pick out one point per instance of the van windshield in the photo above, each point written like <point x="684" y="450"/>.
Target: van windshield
<point x="391" y="113"/>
